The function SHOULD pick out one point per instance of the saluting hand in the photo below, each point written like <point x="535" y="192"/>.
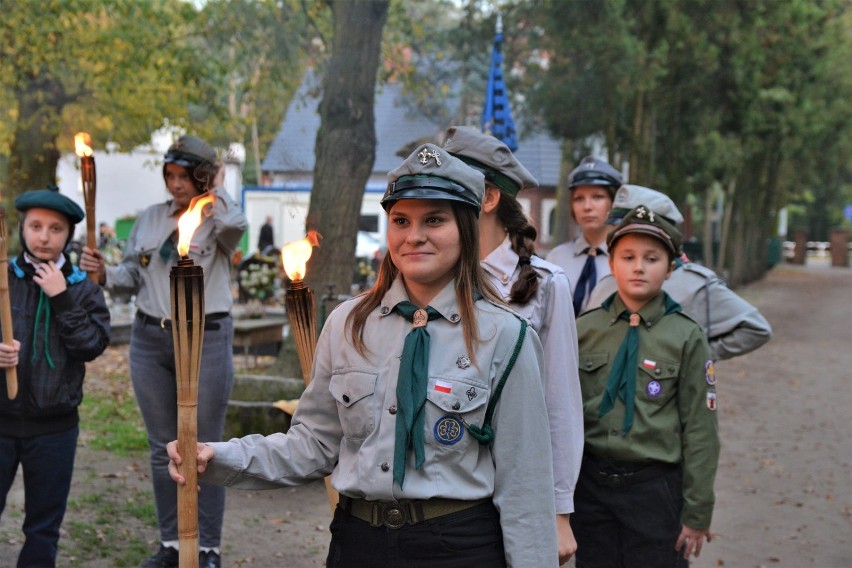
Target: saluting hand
<point x="50" y="278"/>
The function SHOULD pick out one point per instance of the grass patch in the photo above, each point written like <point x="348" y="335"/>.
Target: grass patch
<point x="111" y="419"/>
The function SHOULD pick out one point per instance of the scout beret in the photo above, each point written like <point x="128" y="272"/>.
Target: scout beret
<point x="643" y="220"/>
<point x="593" y="171"/>
<point x="631" y="196"/>
<point x="431" y="173"/>
<point x="189" y="151"/>
<point x="490" y="156"/>
<point x="50" y="198"/>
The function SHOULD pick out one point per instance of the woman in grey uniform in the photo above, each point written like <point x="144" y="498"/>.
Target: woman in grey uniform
<point x="425" y="404"/>
<point x="537" y="290"/>
<point x="189" y="169"/>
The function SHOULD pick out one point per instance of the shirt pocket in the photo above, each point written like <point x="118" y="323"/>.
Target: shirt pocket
<point x="146" y="251"/>
<point x="594" y="366"/>
<point x="656" y="380"/>
<point x="354" y="390"/>
<point x="451" y="405"/>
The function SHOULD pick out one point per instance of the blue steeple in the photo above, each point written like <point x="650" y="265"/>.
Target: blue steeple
<point x="497" y="116"/>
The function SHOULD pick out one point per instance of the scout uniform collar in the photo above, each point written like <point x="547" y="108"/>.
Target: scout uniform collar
<point x="502" y="263"/>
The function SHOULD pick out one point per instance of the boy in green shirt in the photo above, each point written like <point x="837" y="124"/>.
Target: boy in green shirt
<point x="645" y="494"/>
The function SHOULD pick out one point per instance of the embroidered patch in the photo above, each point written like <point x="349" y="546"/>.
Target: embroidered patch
<point x="463" y="362"/>
<point x="471" y="393"/>
<point x="443" y="386"/>
<point x="711" y="400"/>
<point x="648" y="364"/>
<point x="448" y="430"/>
<point x="144" y="260"/>
<point x="654" y="389"/>
<point x="710" y="373"/>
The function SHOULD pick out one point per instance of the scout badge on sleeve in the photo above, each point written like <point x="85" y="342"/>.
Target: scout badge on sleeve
<point x="711" y="399"/>
<point x="710" y="373"/>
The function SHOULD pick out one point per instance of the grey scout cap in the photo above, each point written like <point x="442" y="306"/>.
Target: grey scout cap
<point x="631" y="196"/>
<point x="189" y="151"/>
<point x="490" y="156"/>
<point x="593" y="171"/>
<point x="432" y="173"/>
<point x="644" y="220"/>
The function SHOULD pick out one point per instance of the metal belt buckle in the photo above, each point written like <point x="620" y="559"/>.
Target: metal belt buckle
<point x="393" y="516"/>
<point x="163" y="321"/>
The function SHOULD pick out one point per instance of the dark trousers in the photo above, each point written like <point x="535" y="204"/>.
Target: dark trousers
<point x="633" y="526"/>
<point x="48" y="464"/>
<point x="467" y="539"/>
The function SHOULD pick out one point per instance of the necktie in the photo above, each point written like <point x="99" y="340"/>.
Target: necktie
<point x="411" y="388"/>
<point x="588" y="278"/>
<point x="621" y="382"/>
<point x="168" y="247"/>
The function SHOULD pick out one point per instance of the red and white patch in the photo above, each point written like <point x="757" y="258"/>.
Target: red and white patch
<point x="711" y="400"/>
<point x="648" y="364"/>
<point x="443" y="386"/>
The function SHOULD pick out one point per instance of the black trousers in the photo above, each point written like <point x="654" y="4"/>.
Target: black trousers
<point x="467" y="539"/>
<point x="633" y="526"/>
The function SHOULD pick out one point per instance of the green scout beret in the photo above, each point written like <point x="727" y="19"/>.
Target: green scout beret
<point x="631" y="196"/>
<point x="189" y="151"/>
<point x="643" y="220"/>
<point x="593" y="171"/>
<point x="490" y="156"/>
<point x="431" y="173"/>
<point x="50" y="198"/>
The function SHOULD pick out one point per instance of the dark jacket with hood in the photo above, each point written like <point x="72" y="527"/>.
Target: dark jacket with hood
<point x="58" y="336"/>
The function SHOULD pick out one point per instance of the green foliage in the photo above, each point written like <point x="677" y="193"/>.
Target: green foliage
<point x="113" y="422"/>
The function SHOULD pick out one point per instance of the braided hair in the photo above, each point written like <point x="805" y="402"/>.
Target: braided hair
<point x="522" y="235"/>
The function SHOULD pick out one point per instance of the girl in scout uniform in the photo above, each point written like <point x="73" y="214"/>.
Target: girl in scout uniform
<point x="592" y="185"/>
<point x="537" y="290"/>
<point x="425" y="404"/>
<point x="645" y="494"/>
<point x="189" y="169"/>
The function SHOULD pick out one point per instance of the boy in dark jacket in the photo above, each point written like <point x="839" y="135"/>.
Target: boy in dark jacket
<point x="60" y="322"/>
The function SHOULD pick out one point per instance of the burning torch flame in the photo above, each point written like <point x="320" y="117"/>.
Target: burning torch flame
<point x="295" y="255"/>
<point x="83" y="144"/>
<point x="190" y="220"/>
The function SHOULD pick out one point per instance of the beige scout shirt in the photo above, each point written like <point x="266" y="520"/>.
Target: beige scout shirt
<point x="144" y="273"/>
<point x="551" y="314"/>
<point x="346" y="421"/>
<point x="570" y="258"/>
<point x="733" y="326"/>
<point x="675" y="418"/>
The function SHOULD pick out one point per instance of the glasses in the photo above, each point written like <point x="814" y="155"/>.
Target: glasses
<point x="181" y="159"/>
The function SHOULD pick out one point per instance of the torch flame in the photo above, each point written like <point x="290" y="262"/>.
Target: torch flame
<point x="190" y="220"/>
<point x="295" y="255"/>
<point x="83" y="144"/>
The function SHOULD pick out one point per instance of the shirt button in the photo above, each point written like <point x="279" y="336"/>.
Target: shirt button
<point x="456" y="405"/>
<point x="385" y="466"/>
<point x="505" y="278"/>
<point x="392" y="409"/>
<point x="454" y="318"/>
<point x="346" y="398"/>
<point x="385" y="310"/>
<point x="658" y="371"/>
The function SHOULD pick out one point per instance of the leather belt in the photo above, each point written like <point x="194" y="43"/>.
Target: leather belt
<point x="396" y="514"/>
<point x="166" y="323"/>
<point x="610" y="473"/>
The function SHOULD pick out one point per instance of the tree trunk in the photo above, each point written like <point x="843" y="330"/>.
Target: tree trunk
<point x="563" y="222"/>
<point x="346" y="141"/>
<point x="34" y="156"/>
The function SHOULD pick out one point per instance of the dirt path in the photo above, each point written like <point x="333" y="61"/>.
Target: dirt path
<point x="783" y="490"/>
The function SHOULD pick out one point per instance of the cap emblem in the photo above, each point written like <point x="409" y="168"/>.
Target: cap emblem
<point x="426" y="154"/>
<point x="641" y="211"/>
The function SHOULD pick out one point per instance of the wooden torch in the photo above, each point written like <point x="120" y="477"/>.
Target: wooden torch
<point x="187" y="301"/>
<point x="301" y="304"/>
<point x="5" y="305"/>
<point x="83" y="146"/>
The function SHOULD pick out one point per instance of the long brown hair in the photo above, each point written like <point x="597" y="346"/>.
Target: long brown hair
<point x="469" y="276"/>
<point x="522" y="236"/>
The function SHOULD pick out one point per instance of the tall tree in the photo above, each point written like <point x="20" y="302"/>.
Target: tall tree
<point x="346" y="141"/>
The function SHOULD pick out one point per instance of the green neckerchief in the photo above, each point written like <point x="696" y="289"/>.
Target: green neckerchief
<point x="42" y="309"/>
<point x="411" y="388"/>
<point x="621" y="382"/>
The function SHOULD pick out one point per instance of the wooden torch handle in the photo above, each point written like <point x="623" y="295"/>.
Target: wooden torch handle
<point x="5" y="305"/>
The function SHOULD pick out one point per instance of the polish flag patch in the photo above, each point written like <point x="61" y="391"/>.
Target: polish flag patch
<point x="443" y="386"/>
<point x="648" y="364"/>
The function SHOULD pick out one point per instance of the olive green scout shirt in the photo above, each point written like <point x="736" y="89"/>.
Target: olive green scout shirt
<point x="675" y="418"/>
